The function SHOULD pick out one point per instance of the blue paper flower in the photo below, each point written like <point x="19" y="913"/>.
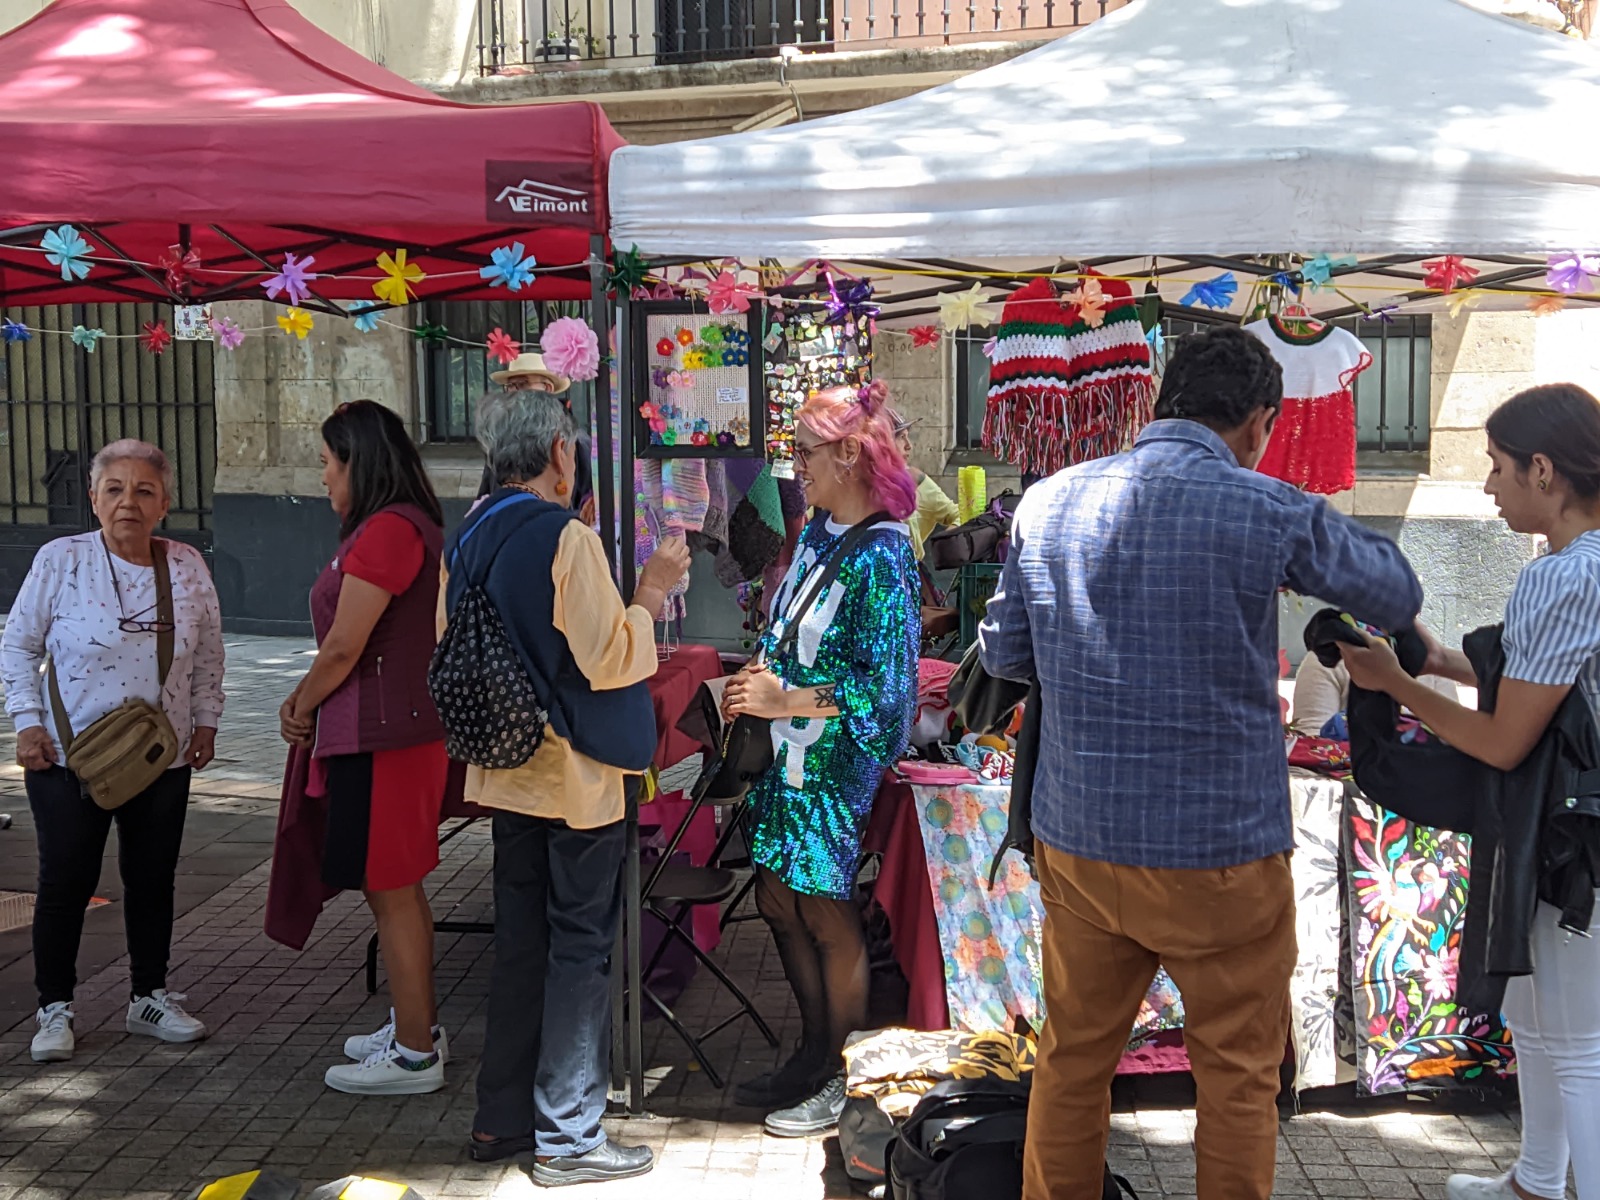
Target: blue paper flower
<point x="15" y="331"/>
<point x="1320" y="269"/>
<point x="87" y="338"/>
<point x="66" y="248"/>
<point x="364" y="313"/>
<point x="1285" y="280"/>
<point x="1156" y="338"/>
<point x="1212" y="293"/>
<point x="509" y="267"/>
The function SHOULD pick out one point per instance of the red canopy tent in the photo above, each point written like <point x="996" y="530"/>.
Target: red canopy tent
<point x="239" y="130"/>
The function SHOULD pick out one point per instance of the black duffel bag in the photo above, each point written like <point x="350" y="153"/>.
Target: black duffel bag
<point x="976" y="541"/>
<point x="964" y="1141"/>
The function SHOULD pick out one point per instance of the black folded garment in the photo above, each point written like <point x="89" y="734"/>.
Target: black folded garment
<point x="1426" y="782"/>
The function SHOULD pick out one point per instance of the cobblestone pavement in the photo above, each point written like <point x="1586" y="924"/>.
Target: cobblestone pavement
<point x="129" y="1117"/>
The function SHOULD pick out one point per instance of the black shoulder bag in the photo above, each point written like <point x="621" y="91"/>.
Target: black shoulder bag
<point x="747" y="743"/>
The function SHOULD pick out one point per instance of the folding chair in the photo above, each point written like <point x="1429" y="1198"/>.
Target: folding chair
<point x="670" y="893"/>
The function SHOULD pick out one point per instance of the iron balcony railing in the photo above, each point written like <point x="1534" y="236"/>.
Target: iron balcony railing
<point x="531" y="35"/>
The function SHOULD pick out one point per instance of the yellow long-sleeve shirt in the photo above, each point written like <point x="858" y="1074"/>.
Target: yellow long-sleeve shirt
<point x="934" y="509"/>
<point x="614" y="647"/>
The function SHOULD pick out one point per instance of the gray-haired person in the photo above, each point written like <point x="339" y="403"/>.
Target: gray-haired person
<point x="558" y="832"/>
<point x="89" y="603"/>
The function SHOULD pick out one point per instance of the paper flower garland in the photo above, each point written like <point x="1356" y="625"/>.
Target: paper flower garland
<point x="1156" y="338"/>
<point x="990" y="347"/>
<point x="571" y="348"/>
<point x="15" y="331"/>
<point x="296" y="322"/>
<point x="1546" y="306"/>
<point x="1090" y="301"/>
<point x="1570" y="274"/>
<point x="66" y="248"/>
<point x="430" y="334"/>
<point x="364" y="315"/>
<point x="509" y="267"/>
<point x="88" y="339"/>
<point x="501" y="348"/>
<point x="399" y="274"/>
<point x="964" y="309"/>
<point x="727" y="295"/>
<point x="293" y="279"/>
<point x="1215" y="293"/>
<point x="1461" y="301"/>
<point x="627" y="271"/>
<point x="180" y="266"/>
<point x="229" y="336"/>
<point x="1447" y="273"/>
<point x="156" y="337"/>
<point x="925" y="335"/>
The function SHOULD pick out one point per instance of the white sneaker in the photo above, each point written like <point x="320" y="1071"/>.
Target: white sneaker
<point x="1473" y="1187"/>
<point x="54" y="1041"/>
<point x="161" y="1015"/>
<point x="386" y="1073"/>
<point x="360" y="1046"/>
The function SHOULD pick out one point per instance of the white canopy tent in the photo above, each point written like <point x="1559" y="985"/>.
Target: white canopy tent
<point x="1171" y="128"/>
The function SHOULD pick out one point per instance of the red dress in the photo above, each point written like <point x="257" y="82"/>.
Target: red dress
<point x="406" y="785"/>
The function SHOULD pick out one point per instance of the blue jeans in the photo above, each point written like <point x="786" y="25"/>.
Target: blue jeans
<point x="557" y="900"/>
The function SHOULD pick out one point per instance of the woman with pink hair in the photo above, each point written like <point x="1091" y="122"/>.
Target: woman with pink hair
<point x="841" y="695"/>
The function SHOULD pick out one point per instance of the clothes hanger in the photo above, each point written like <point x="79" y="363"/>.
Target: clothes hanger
<point x="1298" y="314"/>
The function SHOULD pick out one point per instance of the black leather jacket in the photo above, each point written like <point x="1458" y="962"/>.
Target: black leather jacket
<point x="1535" y="828"/>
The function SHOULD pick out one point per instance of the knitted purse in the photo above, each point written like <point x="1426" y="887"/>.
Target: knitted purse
<point x="1063" y="392"/>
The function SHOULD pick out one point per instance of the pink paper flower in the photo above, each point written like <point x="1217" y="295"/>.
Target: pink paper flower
<point x="727" y="295"/>
<point x="229" y="336"/>
<point x="924" y="335"/>
<point x="571" y="348"/>
<point x="156" y="337"/>
<point x="502" y="348"/>
<point x="1448" y="273"/>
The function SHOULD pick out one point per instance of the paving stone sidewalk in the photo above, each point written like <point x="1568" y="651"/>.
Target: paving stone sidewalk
<point x="129" y="1117"/>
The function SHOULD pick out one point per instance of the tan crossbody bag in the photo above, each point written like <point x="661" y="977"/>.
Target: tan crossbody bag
<point x="125" y="751"/>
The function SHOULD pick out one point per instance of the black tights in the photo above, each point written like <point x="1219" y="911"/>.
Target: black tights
<point x="823" y="946"/>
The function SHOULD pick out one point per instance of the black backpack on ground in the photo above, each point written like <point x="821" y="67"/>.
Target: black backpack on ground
<point x="964" y="1141"/>
<point x="490" y="711"/>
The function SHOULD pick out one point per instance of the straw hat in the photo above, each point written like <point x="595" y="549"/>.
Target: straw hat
<point x="533" y="364"/>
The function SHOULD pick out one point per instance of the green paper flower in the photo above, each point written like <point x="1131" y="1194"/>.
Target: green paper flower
<point x="430" y="334"/>
<point x="627" y="270"/>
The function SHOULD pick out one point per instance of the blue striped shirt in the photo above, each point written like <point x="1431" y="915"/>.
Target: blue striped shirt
<point x="1142" y="589"/>
<point x="1552" y="631"/>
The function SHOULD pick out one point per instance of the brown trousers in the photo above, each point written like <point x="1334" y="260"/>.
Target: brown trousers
<point x="1227" y="938"/>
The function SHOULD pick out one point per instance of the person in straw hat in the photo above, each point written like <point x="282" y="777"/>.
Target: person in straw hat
<point x="527" y="373"/>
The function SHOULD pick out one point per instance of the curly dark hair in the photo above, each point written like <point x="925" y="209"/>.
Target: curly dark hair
<point x="385" y="467"/>
<point x="1220" y="378"/>
<point x="1558" y="420"/>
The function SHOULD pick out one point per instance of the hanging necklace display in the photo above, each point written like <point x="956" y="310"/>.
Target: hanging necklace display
<point x="812" y="342"/>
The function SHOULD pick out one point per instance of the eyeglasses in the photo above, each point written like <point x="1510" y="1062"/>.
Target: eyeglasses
<point x="803" y="454"/>
<point x="135" y="624"/>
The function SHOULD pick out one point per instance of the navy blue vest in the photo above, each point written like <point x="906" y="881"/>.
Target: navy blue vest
<point x="520" y="540"/>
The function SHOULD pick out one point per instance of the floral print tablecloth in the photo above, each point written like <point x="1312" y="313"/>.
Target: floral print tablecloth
<point x="990" y="938"/>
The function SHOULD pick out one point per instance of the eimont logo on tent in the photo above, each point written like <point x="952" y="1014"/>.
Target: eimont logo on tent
<point x="534" y="193"/>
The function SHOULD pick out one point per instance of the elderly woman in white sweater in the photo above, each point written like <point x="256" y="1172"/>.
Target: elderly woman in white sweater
<point x="89" y="605"/>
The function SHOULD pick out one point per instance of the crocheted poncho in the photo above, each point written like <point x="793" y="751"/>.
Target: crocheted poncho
<point x="1063" y="392"/>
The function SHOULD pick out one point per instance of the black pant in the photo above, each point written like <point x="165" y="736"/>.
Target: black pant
<point x="71" y="831"/>
<point x="822" y="944"/>
<point x="557" y="900"/>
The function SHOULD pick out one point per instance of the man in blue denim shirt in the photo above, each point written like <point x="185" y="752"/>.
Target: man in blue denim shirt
<point x="1142" y="590"/>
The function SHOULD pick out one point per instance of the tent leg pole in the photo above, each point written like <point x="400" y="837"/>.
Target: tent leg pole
<point x="600" y="318"/>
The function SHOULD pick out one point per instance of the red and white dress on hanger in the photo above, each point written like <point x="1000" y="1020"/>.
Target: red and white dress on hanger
<point x="1314" y="443"/>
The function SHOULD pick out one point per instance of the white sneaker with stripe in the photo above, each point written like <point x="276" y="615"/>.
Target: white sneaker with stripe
<point x="361" y="1046"/>
<point x="161" y="1015"/>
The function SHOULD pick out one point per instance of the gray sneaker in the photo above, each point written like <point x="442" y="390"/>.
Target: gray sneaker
<point x="816" y="1115"/>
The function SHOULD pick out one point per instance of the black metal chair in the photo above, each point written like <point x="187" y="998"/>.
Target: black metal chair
<point x="670" y="893"/>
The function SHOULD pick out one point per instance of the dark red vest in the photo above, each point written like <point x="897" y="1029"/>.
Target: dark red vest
<point x="384" y="703"/>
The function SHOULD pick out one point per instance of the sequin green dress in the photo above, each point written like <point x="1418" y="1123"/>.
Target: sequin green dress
<point x="809" y="810"/>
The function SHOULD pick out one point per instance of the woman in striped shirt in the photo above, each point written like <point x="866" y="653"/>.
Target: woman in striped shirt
<point x="1544" y="445"/>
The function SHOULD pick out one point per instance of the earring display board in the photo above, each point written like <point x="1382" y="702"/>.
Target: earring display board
<point x="806" y="353"/>
<point x="699" y="374"/>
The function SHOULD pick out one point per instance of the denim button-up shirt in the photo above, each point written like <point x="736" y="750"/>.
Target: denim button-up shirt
<point x="1141" y="589"/>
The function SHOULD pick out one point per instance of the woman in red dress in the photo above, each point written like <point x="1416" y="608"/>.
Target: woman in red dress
<point x="377" y="745"/>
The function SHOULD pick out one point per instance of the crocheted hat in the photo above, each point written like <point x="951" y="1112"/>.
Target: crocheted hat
<point x="1063" y="392"/>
